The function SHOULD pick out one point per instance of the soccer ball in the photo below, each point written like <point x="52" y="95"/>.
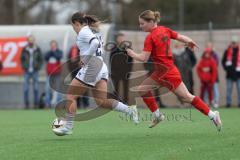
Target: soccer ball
<point x="58" y="123"/>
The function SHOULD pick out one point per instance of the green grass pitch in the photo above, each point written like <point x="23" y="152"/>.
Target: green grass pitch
<point x="27" y="135"/>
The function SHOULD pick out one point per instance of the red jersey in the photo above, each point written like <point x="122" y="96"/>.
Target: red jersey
<point x="207" y="69"/>
<point x="158" y="43"/>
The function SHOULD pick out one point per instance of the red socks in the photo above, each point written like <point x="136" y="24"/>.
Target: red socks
<point x="200" y="105"/>
<point x="150" y="101"/>
<point x="197" y="103"/>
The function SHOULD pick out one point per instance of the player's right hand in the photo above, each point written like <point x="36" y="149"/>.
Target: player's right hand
<point x="192" y="45"/>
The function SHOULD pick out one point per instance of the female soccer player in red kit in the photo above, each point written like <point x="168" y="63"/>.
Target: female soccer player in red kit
<point x="157" y="45"/>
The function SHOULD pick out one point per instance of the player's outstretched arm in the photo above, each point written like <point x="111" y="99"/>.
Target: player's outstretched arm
<point x="189" y="42"/>
<point x="143" y="57"/>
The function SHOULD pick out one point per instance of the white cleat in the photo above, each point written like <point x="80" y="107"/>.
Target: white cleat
<point x="134" y="114"/>
<point x="62" y="131"/>
<point x="156" y="120"/>
<point x="217" y="121"/>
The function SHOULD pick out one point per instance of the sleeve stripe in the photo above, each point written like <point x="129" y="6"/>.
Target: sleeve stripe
<point x="92" y="39"/>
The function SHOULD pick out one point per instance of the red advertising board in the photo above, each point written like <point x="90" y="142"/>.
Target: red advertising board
<point x="10" y="55"/>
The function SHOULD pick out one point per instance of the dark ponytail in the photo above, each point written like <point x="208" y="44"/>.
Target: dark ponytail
<point x="90" y="20"/>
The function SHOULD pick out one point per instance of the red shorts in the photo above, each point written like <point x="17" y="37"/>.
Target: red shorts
<point x="171" y="79"/>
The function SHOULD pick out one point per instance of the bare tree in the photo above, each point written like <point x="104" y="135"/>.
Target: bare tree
<point x="15" y="11"/>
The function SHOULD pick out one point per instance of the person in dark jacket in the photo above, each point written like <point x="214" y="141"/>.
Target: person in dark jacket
<point x="207" y="72"/>
<point x="231" y="64"/>
<point x="185" y="60"/>
<point x="1" y="65"/>
<point x="119" y="68"/>
<point x="53" y="70"/>
<point x="31" y="61"/>
<point x="149" y="66"/>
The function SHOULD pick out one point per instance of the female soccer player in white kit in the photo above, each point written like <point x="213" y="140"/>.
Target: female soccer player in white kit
<point x="94" y="72"/>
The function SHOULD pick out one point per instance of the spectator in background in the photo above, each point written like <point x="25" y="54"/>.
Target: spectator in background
<point x="74" y="66"/>
<point x="74" y="60"/>
<point x="1" y="64"/>
<point x="31" y="60"/>
<point x="119" y="68"/>
<point x="150" y="69"/>
<point x="53" y="70"/>
<point x="231" y="64"/>
<point x="207" y="72"/>
<point x="185" y="60"/>
<point x="214" y="54"/>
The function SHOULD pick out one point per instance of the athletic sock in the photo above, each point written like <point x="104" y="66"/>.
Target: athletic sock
<point x="70" y="120"/>
<point x="150" y="101"/>
<point x="211" y="115"/>
<point x="157" y="113"/>
<point x="120" y="107"/>
<point x="200" y="105"/>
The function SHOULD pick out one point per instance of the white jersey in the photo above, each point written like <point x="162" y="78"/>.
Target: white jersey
<point x="94" y="69"/>
<point x="84" y="39"/>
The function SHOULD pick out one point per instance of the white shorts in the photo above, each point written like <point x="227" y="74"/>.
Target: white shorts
<point x="92" y="74"/>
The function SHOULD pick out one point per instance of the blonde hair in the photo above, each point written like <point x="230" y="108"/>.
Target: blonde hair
<point x="149" y="15"/>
